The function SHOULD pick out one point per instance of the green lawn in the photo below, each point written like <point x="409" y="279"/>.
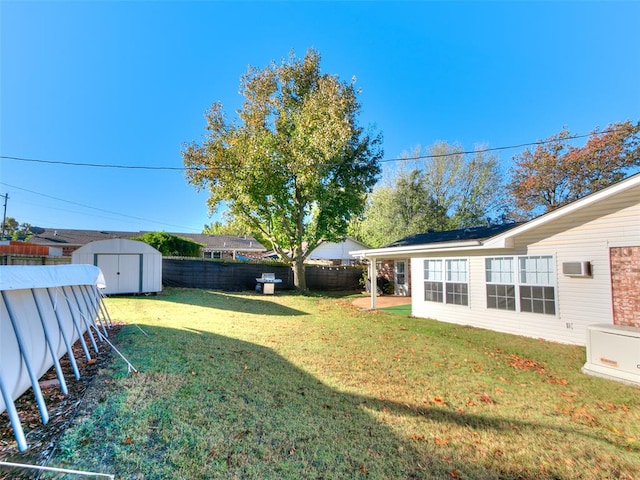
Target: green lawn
<point x="404" y="310"/>
<point x="310" y="387"/>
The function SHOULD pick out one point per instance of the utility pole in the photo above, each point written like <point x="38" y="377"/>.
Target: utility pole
<point x="4" y="217"/>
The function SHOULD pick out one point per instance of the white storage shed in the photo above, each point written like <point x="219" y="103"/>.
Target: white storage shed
<point x="128" y="266"/>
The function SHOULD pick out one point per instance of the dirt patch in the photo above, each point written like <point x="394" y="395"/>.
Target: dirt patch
<point x="42" y="439"/>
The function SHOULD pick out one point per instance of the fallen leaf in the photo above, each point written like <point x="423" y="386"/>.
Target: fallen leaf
<point x="486" y="398"/>
<point x="441" y="441"/>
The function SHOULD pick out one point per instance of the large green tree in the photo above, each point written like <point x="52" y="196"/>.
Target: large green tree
<point x="294" y="165"/>
<point x="448" y="189"/>
<point x="555" y="172"/>
<point x="466" y="186"/>
<point x="397" y="211"/>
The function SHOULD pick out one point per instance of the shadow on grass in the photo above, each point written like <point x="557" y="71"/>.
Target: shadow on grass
<point x="245" y="302"/>
<point x="208" y="406"/>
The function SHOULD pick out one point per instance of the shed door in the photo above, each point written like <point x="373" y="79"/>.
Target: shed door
<point x="122" y="272"/>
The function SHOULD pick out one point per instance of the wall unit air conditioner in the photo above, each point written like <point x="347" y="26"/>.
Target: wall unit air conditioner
<point x="576" y="269"/>
<point x="613" y="351"/>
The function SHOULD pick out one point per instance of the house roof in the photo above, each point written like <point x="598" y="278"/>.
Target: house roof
<point x="473" y="233"/>
<point x="498" y="236"/>
<point x="61" y="237"/>
<point x="506" y="239"/>
<point x="245" y="243"/>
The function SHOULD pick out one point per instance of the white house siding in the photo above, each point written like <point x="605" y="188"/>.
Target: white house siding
<point x="476" y="313"/>
<point x="584" y="235"/>
<point x="336" y="252"/>
<point x="588" y="237"/>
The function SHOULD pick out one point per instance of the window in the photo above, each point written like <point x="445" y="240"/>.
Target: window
<point x="400" y="273"/>
<point x="501" y="290"/>
<point x="457" y="288"/>
<point x="533" y="283"/>
<point x="446" y="281"/>
<point x="502" y="297"/>
<point x="210" y="254"/>
<point x="433" y="290"/>
<point x="537" y="295"/>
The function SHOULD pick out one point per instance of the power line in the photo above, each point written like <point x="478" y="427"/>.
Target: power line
<point x="490" y="149"/>
<point x="389" y="160"/>
<point x="99" y="165"/>
<point x="94" y="208"/>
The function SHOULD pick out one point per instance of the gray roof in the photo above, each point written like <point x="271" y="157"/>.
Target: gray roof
<point x="61" y="237"/>
<point x="472" y="233"/>
<point x="244" y="243"/>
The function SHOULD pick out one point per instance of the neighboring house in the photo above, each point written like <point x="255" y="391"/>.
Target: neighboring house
<point x="330" y="253"/>
<point x="550" y="278"/>
<point x="13" y="252"/>
<point x="227" y="246"/>
<point x="71" y="240"/>
<point x="336" y="253"/>
<point x="214" y="246"/>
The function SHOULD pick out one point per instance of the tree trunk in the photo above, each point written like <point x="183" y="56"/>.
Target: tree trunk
<point x="299" y="278"/>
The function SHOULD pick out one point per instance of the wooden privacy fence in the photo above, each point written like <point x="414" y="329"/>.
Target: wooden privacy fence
<point x="236" y="276"/>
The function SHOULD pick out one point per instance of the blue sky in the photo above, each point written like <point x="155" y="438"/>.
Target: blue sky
<point x="128" y="83"/>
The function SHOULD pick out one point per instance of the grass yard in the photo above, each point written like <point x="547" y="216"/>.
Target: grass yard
<point x="310" y="387"/>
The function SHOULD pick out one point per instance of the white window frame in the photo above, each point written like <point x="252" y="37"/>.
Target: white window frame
<point x="519" y="275"/>
<point x="445" y="272"/>
<point x="541" y="277"/>
<point x="505" y="277"/>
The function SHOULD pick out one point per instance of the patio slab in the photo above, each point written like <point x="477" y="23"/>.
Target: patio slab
<point x="382" y="301"/>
